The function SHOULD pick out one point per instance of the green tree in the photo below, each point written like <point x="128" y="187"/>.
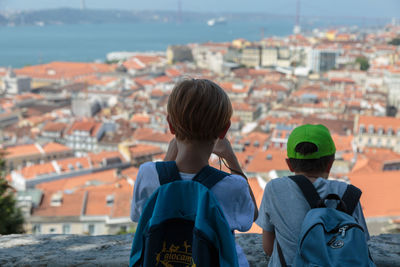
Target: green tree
<point x="11" y="219"/>
<point x="395" y="41"/>
<point x="363" y="62"/>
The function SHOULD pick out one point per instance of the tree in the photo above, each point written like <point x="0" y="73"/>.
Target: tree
<point x="363" y="62"/>
<point x="11" y="218"/>
<point x="395" y="41"/>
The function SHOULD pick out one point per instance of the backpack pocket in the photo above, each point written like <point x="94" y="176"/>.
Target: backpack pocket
<point x="169" y="244"/>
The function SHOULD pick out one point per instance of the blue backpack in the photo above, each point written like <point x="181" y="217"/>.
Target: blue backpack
<point x="182" y="223"/>
<point x="329" y="236"/>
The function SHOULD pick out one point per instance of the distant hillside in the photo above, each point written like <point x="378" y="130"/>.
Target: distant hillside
<point x="3" y="20"/>
<point x="77" y="16"/>
<point x="94" y="16"/>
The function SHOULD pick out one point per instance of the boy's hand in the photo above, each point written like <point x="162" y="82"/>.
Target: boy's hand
<point x="223" y="149"/>
<point x="172" y="151"/>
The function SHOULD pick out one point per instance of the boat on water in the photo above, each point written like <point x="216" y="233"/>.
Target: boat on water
<point x="216" y="21"/>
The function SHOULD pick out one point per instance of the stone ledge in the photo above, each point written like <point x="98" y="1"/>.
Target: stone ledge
<point x="77" y="250"/>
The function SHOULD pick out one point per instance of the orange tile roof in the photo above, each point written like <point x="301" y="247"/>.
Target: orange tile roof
<point x="130" y="172"/>
<point x="242" y="106"/>
<point x="28" y="96"/>
<point x="342" y="80"/>
<point x="373" y="159"/>
<point x="134" y="63"/>
<point x="98" y="158"/>
<point x="380" y="196"/>
<point x="96" y="202"/>
<point x="232" y="87"/>
<point x="33" y="171"/>
<point x="87" y="126"/>
<point x="54" y="127"/>
<point x="173" y="72"/>
<point x="21" y="150"/>
<point x="65" y="164"/>
<point x="261" y="164"/>
<point x="271" y="86"/>
<point x="139" y="62"/>
<point x="342" y="143"/>
<point x="163" y="79"/>
<point x="103" y="177"/>
<point x="122" y="204"/>
<point x="146" y="134"/>
<point x="140" y="118"/>
<point x="55" y="147"/>
<point x="97" y="80"/>
<point x="71" y="205"/>
<point x="384" y="122"/>
<point x="64" y="70"/>
<point x="258" y="194"/>
<point x="142" y="150"/>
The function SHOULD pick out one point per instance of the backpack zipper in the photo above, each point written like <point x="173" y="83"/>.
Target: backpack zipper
<point x="342" y="231"/>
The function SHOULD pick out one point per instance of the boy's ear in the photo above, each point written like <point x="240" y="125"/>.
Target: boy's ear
<point x="289" y="165"/>
<point x="222" y="135"/>
<point x="171" y="128"/>
<point x="329" y="167"/>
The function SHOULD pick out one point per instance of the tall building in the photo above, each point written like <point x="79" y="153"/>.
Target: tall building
<point x="251" y="56"/>
<point x="321" y="60"/>
<point x="392" y="81"/>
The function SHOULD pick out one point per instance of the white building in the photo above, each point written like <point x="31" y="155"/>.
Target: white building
<point x="16" y="85"/>
<point x="392" y="80"/>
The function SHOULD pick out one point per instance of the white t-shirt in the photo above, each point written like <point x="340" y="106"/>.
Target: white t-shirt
<point x="232" y="193"/>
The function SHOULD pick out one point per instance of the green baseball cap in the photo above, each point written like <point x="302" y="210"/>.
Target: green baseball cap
<point x="319" y="135"/>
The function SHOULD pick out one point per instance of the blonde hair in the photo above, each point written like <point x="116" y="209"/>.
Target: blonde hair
<point x="198" y="109"/>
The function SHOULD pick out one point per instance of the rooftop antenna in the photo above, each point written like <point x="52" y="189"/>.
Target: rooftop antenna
<point x="83" y="5"/>
<point x="297" y="29"/>
<point x="179" y="11"/>
<point x="262" y="33"/>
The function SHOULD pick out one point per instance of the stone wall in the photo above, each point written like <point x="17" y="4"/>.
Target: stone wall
<point x="74" y="250"/>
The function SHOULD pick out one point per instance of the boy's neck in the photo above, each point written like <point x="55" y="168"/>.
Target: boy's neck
<point x="314" y="176"/>
<point x="193" y="155"/>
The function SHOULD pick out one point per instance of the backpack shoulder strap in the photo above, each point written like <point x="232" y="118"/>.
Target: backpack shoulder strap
<point x="209" y="176"/>
<point x="351" y="197"/>
<point x="309" y="191"/>
<point x="167" y="172"/>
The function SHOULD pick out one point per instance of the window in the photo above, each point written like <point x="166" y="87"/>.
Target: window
<point x="380" y="130"/>
<point x="91" y="229"/>
<point x="388" y="143"/>
<point x="110" y="200"/>
<point x="379" y="142"/>
<point x="37" y="229"/>
<point x="66" y="229"/>
<point x="371" y="129"/>
<point x="362" y="129"/>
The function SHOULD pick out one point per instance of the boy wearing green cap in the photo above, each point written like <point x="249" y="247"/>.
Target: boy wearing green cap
<point x="310" y="152"/>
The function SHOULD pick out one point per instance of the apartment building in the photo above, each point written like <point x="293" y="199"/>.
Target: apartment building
<point x="379" y="132"/>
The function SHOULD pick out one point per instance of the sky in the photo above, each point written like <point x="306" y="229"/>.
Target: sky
<point x="356" y="8"/>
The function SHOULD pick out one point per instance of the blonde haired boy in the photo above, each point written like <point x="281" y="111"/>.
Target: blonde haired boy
<point x="199" y="113"/>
